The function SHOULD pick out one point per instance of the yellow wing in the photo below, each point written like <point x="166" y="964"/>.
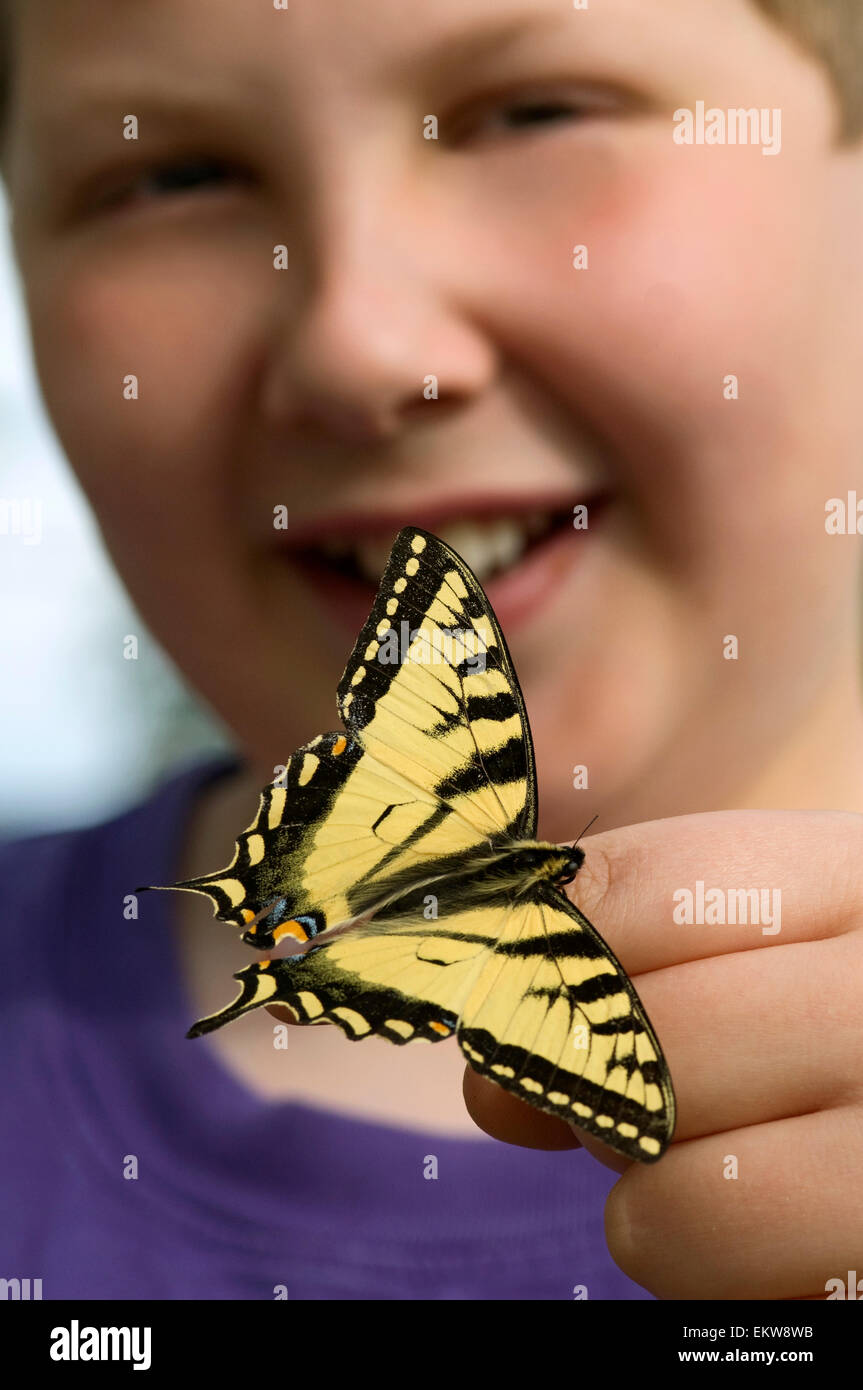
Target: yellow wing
<point x="435" y="765"/>
<point x="554" y="1018"/>
<point x="409" y="814"/>
<point x="538" y="1002"/>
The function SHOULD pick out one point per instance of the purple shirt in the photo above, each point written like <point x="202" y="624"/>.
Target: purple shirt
<point x="234" y="1195"/>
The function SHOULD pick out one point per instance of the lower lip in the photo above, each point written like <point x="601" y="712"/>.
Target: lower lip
<point x="516" y="596"/>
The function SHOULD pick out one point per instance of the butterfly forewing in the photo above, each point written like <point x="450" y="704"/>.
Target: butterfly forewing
<point x="436" y="762"/>
<point x="431" y="691"/>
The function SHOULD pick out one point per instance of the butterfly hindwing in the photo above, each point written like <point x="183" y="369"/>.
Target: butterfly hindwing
<point x="322" y="843"/>
<point x="269" y="856"/>
<point x="537" y="1001"/>
<point x="395" y="980"/>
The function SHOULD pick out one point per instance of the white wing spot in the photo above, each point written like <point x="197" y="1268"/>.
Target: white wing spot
<point x="278" y="797"/>
<point x="231" y="887"/>
<point x="255" y="848"/>
<point x="355" y="1020"/>
<point x="309" y="768"/>
<point x="652" y="1097"/>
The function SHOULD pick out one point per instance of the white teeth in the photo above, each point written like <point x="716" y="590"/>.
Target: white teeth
<point x="510" y="541"/>
<point x="486" y="546"/>
<point x="473" y="543"/>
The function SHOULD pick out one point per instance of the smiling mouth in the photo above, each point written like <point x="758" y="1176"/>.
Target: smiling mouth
<point x="490" y="546"/>
<point x="519" y="549"/>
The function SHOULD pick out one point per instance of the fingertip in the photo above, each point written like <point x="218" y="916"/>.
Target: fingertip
<point x="280" y="1013"/>
<point x="512" y="1121"/>
<point x="601" y="1152"/>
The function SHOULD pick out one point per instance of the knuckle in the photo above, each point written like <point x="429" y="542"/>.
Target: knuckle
<point x="842" y="874"/>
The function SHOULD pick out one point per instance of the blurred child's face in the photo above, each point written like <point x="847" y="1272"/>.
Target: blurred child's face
<point x="305" y="388"/>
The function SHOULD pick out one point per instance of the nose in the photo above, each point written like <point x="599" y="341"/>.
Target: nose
<point x="381" y="334"/>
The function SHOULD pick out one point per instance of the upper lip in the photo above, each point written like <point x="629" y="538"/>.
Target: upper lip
<point x="427" y="514"/>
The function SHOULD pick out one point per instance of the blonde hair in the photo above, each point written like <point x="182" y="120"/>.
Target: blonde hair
<point x="831" y="30"/>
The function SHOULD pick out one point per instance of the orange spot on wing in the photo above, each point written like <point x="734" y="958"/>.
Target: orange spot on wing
<point x="247" y="914"/>
<point x="292" y="928"/>
<point x="339" y="746"/>
<point x="440" y="1028"/>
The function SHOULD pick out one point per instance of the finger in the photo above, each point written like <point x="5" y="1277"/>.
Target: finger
<point x="750" y="1039"/>
<point x="601" y="1152"/>
<point x="513" y="1121"/>
<point x="282" y="1014"/>
<point x="686" y="1228"/>
<point x="632" y="881"/>
<point x="743" y="1044"/>
<point x="505" y="1117"/>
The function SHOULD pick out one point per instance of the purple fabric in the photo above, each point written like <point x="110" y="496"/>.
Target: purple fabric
<point x="234" y="1195"/>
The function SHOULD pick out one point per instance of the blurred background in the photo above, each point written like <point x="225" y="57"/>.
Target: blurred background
<point x="64" y="619"/>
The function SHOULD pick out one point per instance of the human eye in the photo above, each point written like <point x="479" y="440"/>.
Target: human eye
<point x="530" y="112"/>
<point x="169" y="179"/>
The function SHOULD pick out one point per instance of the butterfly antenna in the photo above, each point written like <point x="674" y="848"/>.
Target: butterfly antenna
<point x="586" y="828"/>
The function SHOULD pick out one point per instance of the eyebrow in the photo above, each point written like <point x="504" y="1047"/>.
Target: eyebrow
<point x="84" y="101"/>
<point x="460" y="49"/>
<point x="486" y="35"/>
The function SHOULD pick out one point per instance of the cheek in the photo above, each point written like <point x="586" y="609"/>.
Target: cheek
<point x="700" y="264"/>
<point x="140" y="384"/>
<point x="705" y="264"/>
<point x="167" y="474"/>
<point x="164" y="472"/>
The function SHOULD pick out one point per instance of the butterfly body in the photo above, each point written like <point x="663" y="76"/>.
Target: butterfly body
<point x="396" y="861"/>
<point x="504" y="874"/>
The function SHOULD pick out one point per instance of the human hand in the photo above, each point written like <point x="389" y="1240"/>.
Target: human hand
<point x="758" y="1196"/>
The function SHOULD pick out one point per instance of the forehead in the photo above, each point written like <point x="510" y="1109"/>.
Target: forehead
<point x="319" y="62"/>
<point x="378" y="31"/>
<point x="77" y="60"/>
<point x="373" y="39"/>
